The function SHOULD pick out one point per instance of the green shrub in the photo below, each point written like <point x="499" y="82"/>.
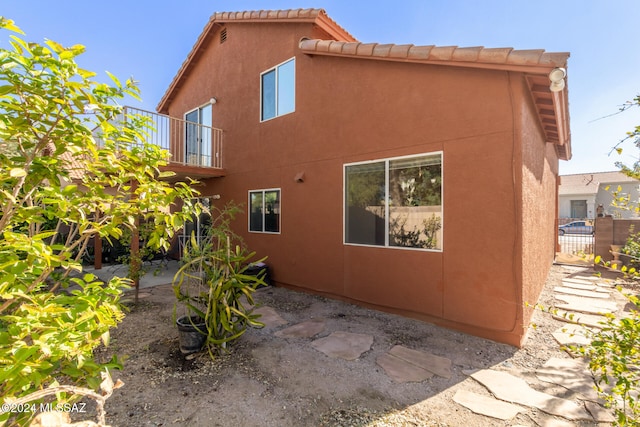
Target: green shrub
<point x="213" y="283"/>
<point x="58" y="189"/>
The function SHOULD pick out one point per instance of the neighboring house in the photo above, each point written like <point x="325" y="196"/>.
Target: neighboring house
<point x="580" y="195"/>
<point x="420" y="180"/>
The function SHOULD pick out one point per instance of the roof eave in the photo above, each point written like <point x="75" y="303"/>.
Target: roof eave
<point x="183" y="71"/>
<point x="535" y="64"/>
<point x="318" y="17"/>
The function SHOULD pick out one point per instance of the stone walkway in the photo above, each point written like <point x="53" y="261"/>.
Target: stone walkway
<point x="581" y="302"/>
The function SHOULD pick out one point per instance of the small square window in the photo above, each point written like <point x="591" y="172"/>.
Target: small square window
<point x="278" y="91"/>
<point x="264" y="211"/>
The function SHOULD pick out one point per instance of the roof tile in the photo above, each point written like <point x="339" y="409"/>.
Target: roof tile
<point x="382" y="50"/>
<point x="468" y="54"/>
<point x="366" y="49"/>
<point x="553" y="58"/>
<point x="323" y="45"/>
<point x="350" y="48"/>
<point x="525" y="57"/>
<point x="442" y="53"/>
<point x="419" y="52"/>
<point x="399" y="50"/>
<point x="305" y="12"/>
<point x="336" y="47"/>
<point x="494" y="55"/>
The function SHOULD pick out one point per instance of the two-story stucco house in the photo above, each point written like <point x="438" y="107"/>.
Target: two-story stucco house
<point x="420" y="180"/>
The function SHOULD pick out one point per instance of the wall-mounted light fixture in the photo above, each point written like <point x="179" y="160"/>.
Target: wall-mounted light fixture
<point x="556" y="76"/>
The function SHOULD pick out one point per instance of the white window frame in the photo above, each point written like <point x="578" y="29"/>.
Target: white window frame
<point x="263" y="191"/>
<point x="277" y="85"/>
<point x="204" y="122"/>
<point x="386" y="161"/>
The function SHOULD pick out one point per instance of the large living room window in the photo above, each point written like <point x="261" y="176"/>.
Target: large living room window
<point x="394" y="202"/>
<point x="264" y="211"/>
<point x="278" y="90"/>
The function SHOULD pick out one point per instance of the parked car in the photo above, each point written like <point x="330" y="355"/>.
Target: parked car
<point x="575" y="227"/>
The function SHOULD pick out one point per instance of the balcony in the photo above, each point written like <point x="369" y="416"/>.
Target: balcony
<point x="195" y="149"/>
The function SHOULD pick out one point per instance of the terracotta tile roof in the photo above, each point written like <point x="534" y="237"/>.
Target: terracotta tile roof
<point x="497" y="58"/>
<point x="552" y="108"/>
<point x="316" y="16"/>
<point x="589" y="183"/>
<point x="290" y="15"/>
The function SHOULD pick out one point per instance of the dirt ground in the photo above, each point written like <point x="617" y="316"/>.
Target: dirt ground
<point x="266" y="380"/>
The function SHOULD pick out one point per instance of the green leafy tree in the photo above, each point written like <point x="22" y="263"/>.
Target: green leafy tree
<point x="614" y="349"/>
<point x="72" y="170"/>
<point x="633" y="136"/>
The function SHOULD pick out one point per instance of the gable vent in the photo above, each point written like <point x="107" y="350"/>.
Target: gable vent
<point x="223" y="35"/>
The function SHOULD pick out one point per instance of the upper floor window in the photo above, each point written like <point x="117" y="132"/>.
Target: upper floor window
<point x="278" y="90"/>
<point x="395" y="202"/>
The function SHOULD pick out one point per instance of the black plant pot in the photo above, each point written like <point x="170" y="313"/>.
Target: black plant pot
<point x="192" y="334"/>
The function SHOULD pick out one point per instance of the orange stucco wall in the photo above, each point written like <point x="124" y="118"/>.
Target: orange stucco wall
<point x="350" y="110"/>
<point x="539" y="172"/>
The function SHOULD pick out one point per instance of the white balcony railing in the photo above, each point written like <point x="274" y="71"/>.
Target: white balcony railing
<point x="188" y="143"/>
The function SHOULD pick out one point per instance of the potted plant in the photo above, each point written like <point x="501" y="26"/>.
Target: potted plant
<point x="213" y="287"/>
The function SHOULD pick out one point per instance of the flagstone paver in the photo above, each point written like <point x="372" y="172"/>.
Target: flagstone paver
<point x="488" y="406"/>
<point x="344" y="345"/>
<point x="600" y="414"/>
<point x="440" y="366"/>
<point x="572" y="374"/>
<point x="584" y="286"/>
<point x="580" y="292"/>
<point x="515" y="390"/>
<point x="401" y="371"/>
<point x="303" y="330"/>
<point x="577" y="280"/>
<point x="585" y="305"/>
<point x="587" y="278"/>
<point x="555" y="423"/>
<point x="592" y="320"/>
<point x="571" y="334"/>
<point x="270" y="317"/>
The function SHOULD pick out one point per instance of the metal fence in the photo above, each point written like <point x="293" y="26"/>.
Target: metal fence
<point x="189" y="143"/>
<point x="576" y="236"/>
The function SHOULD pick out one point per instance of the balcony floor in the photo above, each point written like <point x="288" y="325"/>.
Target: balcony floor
<point x="183" y="171"/>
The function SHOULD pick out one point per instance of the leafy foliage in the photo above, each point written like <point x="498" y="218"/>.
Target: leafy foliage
<point x="631" y="248"/>
<point x="399" y="235"/>
<point x="213" y="283"/>
<point x="71" y="168"/>
<point x="614" y="349"/>
<point x="634" y="137"/>
<point x="614" y="359"/>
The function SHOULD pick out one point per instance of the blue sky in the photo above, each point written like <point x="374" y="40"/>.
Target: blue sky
<point x="149" y="40"/>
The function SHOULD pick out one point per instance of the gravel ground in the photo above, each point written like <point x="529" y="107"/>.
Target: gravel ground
<point x="267" y="380"/>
